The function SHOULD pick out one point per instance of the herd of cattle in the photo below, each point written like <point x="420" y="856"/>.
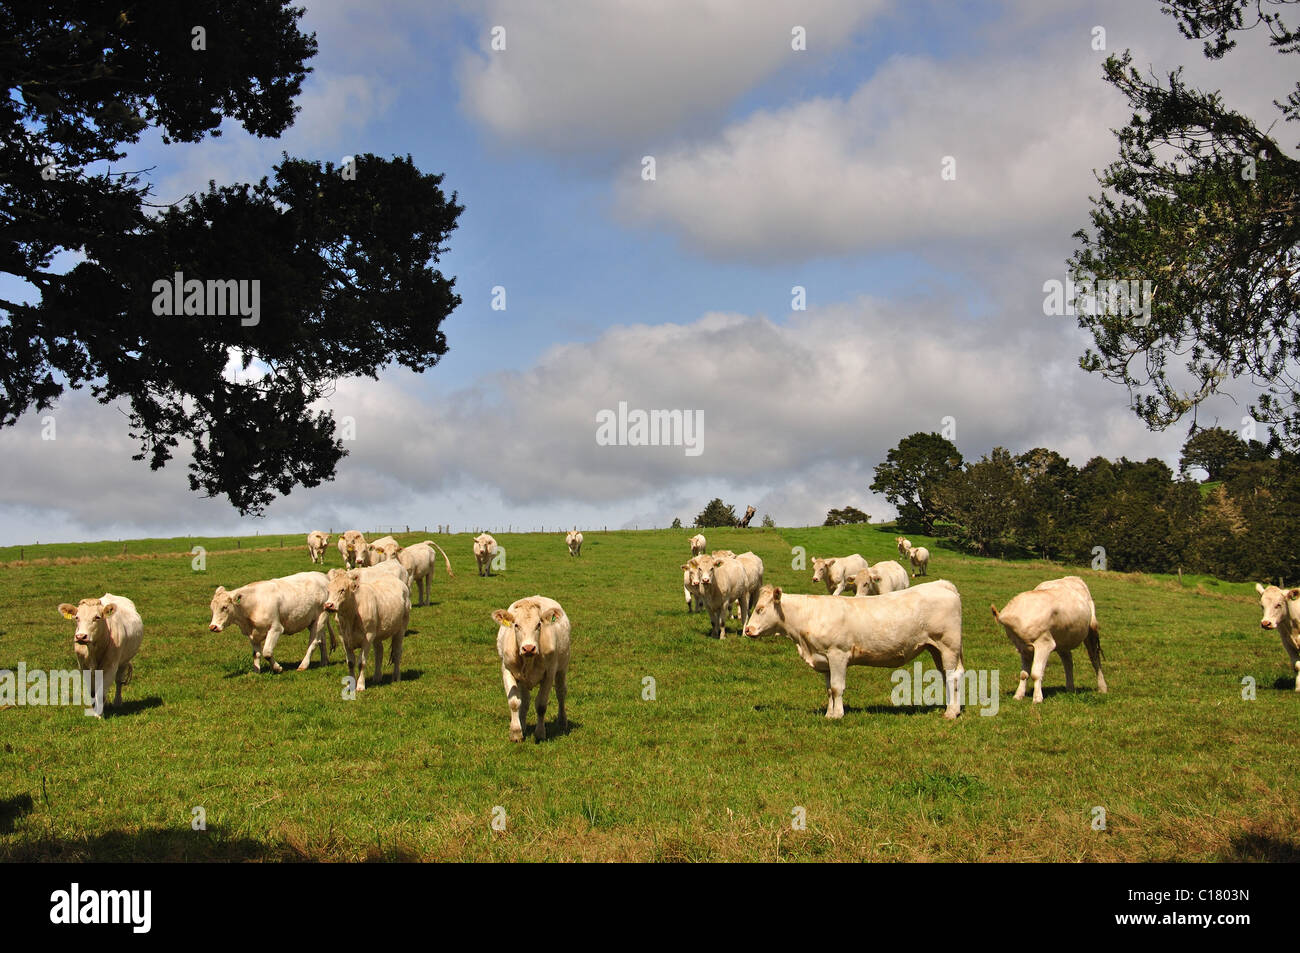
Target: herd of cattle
<point x="370" y="601"/>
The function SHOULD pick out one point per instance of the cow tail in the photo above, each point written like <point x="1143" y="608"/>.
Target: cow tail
<point x="450" y="574"/>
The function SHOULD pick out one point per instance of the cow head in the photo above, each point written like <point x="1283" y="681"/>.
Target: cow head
<point x="91" y="617"/>
<point x="1274" y="603"/>
<point x="225" y="609"/>
<point x="342" y="588"/>
<point x="530" y="627"/>
<point x="821" y="569"/>
<point x="766" y="616"/>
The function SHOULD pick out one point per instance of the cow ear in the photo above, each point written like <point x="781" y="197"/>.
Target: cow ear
<point x="1293" y="593"/>
<point x="776" y="593"/>
<point x="685" y="566"/>
<point x="220" y="590"/>
<point x="502" y="617"/>
<point x="555" y="616"/>
<point x="67" y="610"/>
<point x="109" y="608"/>
<point x="1259" y="588"/>
<point x="239" y="597"/>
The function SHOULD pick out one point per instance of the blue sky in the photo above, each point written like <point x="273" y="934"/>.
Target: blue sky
<point x="775" y="168"/>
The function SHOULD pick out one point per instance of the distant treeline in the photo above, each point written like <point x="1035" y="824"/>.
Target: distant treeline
<point x="1239" y="524"/>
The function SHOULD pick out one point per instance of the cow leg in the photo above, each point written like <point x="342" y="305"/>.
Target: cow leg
<point x="513" y="698"/>
<point x="1042" y="651"/>
<point x="1026" y="660"/>
<point x="1093" y="644"/>
<point x="524" y="694"/>
<point x="954" y="671"/>
<point x="543" y="696"/>
<point x="315" y="641"/>
<point x="838" y="663"/>
<point x="426" y="593"/>
<point x="378" y="646"/>
<point x="268" y="647"/>
<point x="1067" y="663"/>
<point x="110" y="678"/>
<point x="690" y="603"/>
<point x="561" y="692"/>
<point x="397" y="655"/>
<point x="363" y="655"/>
<point x="352" y="661"/>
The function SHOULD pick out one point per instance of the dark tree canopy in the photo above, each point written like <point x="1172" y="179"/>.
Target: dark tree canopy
<point x="717" y="513"/>
<point x="341" y="258"/>
<point x="846" y="516"/>
<point x="1213" y="449"/>
<point x="1203" y="203"/>
<point x="911" y="475"/>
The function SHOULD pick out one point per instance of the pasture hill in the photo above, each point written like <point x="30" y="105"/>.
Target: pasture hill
<point x="679" y="747"/>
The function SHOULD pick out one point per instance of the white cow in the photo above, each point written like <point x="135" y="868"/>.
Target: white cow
<point x="903" y="545"/>
<point x="1057" y="615"/>
<point x="108" y="636"/>
<point x="698" y="544"/>
<point x="352" y="547"/>
<point x="1282" y="613"/>
<point x="420" y="561"/>
<point x="722" y="581"/>
<point x="573" y="539"/>
<point x="389" y="567"/>
<point x="381" y="549"/>
<point x="316" y="543"/>
<point x="485" y="547"/>
<point x="533" y="642"/>
<point x="753" y="574"/>
<point x="887" y="576"/>
<point x="369" y="610"/>
<point x="838" y="572"/>
<point x="691" y="584"/>
<point x="266" y="610"/>
<point x="919" y="557"/>
<point x="887" y="631"/>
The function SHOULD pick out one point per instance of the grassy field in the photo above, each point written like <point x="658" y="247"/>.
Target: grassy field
<point x="711" y="769"/>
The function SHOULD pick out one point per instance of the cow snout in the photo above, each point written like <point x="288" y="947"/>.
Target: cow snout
<point x="82" y="638"/>
<point x="213" y="627"/>
<point x="528" y="649"/>
<point x="329" y="607"/>
<point x="1265" y="624"/>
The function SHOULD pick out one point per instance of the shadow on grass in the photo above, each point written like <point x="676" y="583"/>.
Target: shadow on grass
<point x="1263" y="846"/>
<point x="552" y="730"/>
<point x="149" y="844"/>
<point x="1285" y="684"/>
<point x="131" y="706"/>
<point x="11" y="809"/>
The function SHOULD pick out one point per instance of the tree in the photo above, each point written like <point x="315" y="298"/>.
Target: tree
<point x="980" y="501"/>
<point x="846" y="516"/>
<point x="1201" y="203"/>
<point x="1047" y="504"/>
<point x="338" y="264"/>
<point x="1212" y="449"/>
<point x="717" y="513"/>
<point x="910" y="475"/>
<point x="768" y="522"/>
<point x="677" y="522"/>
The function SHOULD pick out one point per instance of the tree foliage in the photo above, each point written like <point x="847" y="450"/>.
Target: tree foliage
<point x="911" y="475"/>
<point x="846" y="516"/>
<point x="342" y="264"/>
<point x="1203" y="203"/>
<point x="717" y="513"/>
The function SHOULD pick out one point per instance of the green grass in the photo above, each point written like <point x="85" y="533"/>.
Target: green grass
<point x="712" y="769"/>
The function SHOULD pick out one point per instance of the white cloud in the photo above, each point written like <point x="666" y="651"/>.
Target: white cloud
<point x="590" y="72"/>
